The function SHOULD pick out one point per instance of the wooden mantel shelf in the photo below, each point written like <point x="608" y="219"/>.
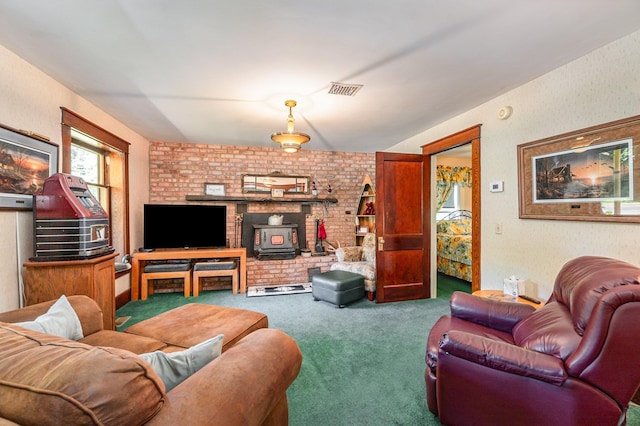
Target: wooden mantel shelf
<point x="261" y="200"/>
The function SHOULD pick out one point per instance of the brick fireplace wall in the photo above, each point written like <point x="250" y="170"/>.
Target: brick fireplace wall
<point x="180" y="169"/>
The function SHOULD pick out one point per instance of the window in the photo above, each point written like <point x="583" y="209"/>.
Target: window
<point x="91" y="164"/>
<point x="101" y="159"/>
<point x="452" y="203"/>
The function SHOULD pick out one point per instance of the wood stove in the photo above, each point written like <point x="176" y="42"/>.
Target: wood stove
<point x="251" y="219"/>
<point x="271" y="242"/>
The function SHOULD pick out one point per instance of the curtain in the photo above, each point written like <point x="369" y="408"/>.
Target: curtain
<point x="446" y="177"/>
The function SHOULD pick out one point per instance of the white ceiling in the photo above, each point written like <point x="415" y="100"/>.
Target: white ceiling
<point x="213" y="71"/>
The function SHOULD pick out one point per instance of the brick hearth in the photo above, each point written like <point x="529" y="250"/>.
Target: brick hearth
<point x="292" y="271"/>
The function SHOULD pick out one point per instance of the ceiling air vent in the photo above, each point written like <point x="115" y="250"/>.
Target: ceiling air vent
<point x="344" y="89"/>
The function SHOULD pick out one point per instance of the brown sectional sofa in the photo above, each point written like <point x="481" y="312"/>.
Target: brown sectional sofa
<point x="99" y="379"/>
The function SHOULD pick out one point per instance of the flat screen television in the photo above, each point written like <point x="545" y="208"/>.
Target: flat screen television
<point x="171" y="226"/>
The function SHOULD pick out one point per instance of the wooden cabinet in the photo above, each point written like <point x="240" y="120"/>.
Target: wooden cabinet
<point x="366" y="219"/>
<point x="92" y="277"/>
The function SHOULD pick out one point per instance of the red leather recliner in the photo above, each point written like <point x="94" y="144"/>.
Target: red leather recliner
<point x="575" y="361"/>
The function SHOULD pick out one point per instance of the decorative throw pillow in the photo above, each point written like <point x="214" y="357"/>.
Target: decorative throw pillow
<point x="175" y="367"/>
<point x="60" y="320"/>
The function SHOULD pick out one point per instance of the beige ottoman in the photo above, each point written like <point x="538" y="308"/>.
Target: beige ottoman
<point x="193" y="323"/>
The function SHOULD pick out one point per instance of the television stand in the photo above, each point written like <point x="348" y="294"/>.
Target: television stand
<point x="140" y="259"/>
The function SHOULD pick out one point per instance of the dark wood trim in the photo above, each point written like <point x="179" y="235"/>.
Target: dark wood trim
<point x="72" y="120"/>
<point x="123" y="298"/>
<point x="426" y="220"/>
<point x="66" y="149"/>
<point x="463" y="137"/>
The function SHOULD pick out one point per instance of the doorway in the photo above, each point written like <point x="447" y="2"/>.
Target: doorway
<point x="465" y="142"/>
<point x="453" y="212"/>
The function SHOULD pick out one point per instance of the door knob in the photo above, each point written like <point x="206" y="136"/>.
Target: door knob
<point x="380" y="243"/>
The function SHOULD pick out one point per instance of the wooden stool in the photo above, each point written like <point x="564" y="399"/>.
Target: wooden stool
<point x="215" y="269"/>
<point x="164" y="271"/>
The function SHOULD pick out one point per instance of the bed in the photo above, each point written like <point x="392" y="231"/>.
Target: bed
<point x="453" y="234"/>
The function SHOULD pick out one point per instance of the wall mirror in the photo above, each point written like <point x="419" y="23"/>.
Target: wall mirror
<point x="265" y="183"/>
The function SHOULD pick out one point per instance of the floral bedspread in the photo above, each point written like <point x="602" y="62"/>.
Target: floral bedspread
<point x="454" y="248"/>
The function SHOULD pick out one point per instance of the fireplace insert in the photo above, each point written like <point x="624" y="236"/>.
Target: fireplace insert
<point x="272" y="242"/>
<point x="251" y="219"/>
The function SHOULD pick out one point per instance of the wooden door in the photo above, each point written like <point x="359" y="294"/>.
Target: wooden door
<point x="402" y="269"/>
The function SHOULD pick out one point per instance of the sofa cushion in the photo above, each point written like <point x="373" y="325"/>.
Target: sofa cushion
<point x="60" y="320"/>
<point x="41" y="374"/>
<point x="126" y="341"/>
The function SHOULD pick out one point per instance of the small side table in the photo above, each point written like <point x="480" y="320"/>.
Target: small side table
<point x="499" y="295"/>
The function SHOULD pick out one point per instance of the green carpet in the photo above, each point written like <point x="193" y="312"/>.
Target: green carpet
<point x="362" y="365"/>
<point x="447" y="285"/>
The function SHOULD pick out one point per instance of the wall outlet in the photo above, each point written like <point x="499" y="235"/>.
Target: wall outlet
<point x="498" y="228"/>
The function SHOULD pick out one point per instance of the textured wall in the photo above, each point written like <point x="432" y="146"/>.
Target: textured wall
<point x="31" y="100"/>
<point x="597" y="88"/>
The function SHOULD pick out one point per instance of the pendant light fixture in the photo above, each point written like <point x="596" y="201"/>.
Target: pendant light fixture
<point x="290" y="141"/>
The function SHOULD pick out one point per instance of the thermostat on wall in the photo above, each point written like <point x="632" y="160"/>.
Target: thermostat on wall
<point x="495" y="186"/>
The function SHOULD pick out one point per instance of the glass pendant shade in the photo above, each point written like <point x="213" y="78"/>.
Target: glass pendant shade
<point x="290" y="141"/>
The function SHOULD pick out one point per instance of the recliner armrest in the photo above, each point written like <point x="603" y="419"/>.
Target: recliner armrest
<point x="494" y="314"/>
<point x="503" y="356"/>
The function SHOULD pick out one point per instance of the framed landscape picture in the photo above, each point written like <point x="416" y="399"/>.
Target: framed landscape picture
<point x="598" y="172"/>
<point x="25" y="163"/>
<point x="590" y="174"/>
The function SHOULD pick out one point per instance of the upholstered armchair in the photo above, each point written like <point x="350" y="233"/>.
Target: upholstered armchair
<point x="359" y="260"/>
<point x="571" y="362"/>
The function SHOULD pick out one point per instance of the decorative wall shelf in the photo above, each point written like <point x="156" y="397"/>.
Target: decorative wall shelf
<point x="301" y="200"/>
<point x="365" y="222"/>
